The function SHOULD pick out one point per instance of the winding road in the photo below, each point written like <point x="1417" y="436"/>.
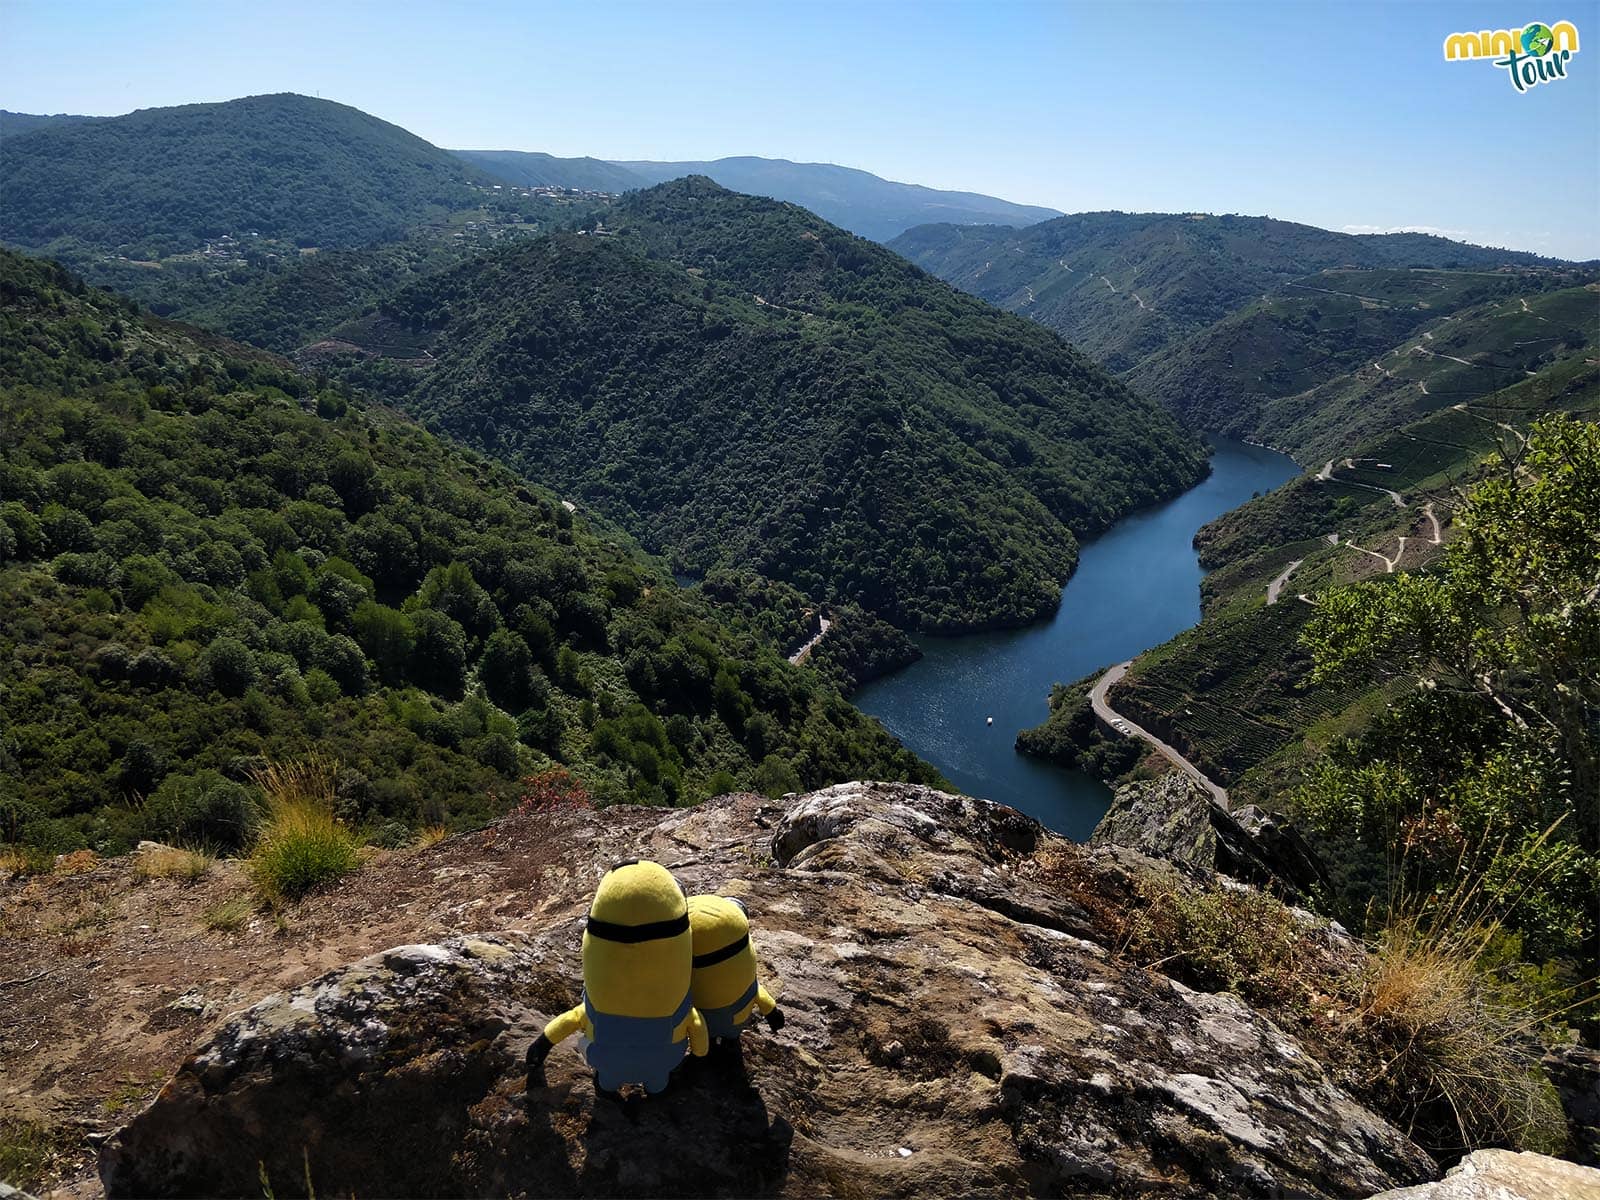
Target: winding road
<point x="1276" y="585"/>
<point x="800" y="655"/>
<point x="1326" y="476"/>
<point x="1103" y="710"/>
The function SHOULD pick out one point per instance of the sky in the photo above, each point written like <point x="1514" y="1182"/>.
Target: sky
<point x="1343" y="115"/>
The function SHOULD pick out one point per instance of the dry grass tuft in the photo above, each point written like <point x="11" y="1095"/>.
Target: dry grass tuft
<point x="1458" y="1048"/>
<point x="25" y="860"/>
<point x="430" y="835"/>
<point x="187" y="866"/>
<point x="230" y="916"/>
<point x="302" y="846"/>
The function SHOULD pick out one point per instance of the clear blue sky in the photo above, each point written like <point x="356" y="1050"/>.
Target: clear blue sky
<point x="1340" y="115"/>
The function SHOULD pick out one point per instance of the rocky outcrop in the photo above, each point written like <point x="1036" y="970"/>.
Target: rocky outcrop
<point x="1507" y="1175"/>
<point x="1173" y="818"/>
<point x="956" y="1026"/>
<point x="1575" y="1072"/>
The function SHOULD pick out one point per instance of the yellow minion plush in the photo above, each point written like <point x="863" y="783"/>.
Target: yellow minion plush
<point x="725" y="989"/>
<point x="637" y="1012"/>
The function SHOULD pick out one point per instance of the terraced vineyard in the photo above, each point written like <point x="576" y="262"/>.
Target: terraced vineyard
<point x="1463" y="358"/>
<point x="1232" y="692"/>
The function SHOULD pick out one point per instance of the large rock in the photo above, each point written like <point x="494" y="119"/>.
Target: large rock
<point x="1174" y="818"/>
<point x="1575" y="1072"/>
<point x="1507" y="1175"/>
<point x="954" y="1028"/>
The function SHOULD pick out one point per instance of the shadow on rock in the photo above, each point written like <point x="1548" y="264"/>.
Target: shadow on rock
<point x="708" y="1134"/>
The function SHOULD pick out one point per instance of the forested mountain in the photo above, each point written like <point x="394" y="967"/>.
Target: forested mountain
<point x="1121" y="286"/>
<point x="166" y="180"/>
<point x="1339" y="357"/>
<point x="856" y="200"/>
<point x="531" y="169"/>
<point x="741" y="383"/>
<point x="14" y="123"/>
<point x="207" y="560"/>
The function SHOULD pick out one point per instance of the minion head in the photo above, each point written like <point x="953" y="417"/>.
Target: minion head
<point x="724" y="960"/>
<point x="637" y="947"/>
<point x="718" y="922"/>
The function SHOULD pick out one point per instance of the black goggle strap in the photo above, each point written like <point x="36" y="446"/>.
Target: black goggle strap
<point x="613" y="932"/>
<point x="723" y="955"/>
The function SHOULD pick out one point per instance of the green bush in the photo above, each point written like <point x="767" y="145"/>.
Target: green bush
<point x="302" y="845"/>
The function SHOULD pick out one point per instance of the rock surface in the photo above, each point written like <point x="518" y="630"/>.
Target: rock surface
<point x="1575" y="1072"/>
<point x="1174" y="818"/>
<point x="1507" y="1175"/>
<point x="954" y="1028"/>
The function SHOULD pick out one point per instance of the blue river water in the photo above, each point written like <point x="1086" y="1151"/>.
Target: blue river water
<point x="1136" y="586"/>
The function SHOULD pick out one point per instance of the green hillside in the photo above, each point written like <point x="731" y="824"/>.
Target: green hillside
<point x="1122" y="286"/>
<point x="740" y="383"/>
<point x="1233" y="690"/>
<point x="14" y="124"/>
<point x="207" y="561"/>
<point x="165" y="180"/>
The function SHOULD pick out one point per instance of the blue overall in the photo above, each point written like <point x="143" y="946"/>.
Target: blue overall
<point x="635" y="1049"/>
<point x="719" y="1021"/>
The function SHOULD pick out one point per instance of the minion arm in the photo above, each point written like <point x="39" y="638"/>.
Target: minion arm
<point x="699" y="1038"/>
<point x="768" y="1008"/>
<point x="564" y="1026"/>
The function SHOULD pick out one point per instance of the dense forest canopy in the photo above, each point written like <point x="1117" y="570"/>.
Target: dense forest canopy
<point x="739" y="382"/>
<point x="208" y="560"/>
<point x="165" y="180"/>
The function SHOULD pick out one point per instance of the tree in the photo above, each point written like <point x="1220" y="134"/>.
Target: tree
<point x="507" y="671"/>
<point x="230" y="666"/>
<point x="386" y="635"/>
<point x="1501" y="737"/>
<point x="439" y="654"/>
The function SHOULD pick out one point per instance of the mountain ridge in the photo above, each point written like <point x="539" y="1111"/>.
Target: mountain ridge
<point x="840" y="386"/>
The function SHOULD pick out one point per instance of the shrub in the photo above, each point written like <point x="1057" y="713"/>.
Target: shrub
<point x="1222" y="938"/>
<point x="553" y="791"/>
<point x="1459" y="1049"/>
<point x="302" y="845"/>
<point x="203" y="809"/>
<point x="320" y="686"/>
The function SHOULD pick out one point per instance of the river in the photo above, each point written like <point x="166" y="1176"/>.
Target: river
<point x="1136" y="586"/>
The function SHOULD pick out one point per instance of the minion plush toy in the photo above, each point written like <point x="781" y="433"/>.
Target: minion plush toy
<point x="725" y="989"/>
<point x="637" y="1012"/>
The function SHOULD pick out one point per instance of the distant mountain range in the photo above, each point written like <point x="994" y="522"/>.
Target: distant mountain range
<point x="1123" y="285"/>
<point x="741" y="383"/>
<point x="1247" y="325"/>
<point x="278" y="218"/>
<point x="528" y="169"/>
<point x="856" y="200"/>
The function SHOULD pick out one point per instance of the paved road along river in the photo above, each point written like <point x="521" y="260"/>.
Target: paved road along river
<point x="1136" y="586"/>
